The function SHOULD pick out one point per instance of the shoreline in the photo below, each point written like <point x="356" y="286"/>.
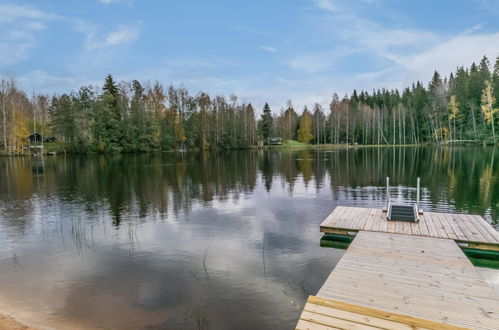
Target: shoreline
<point x="10" y="323"/>
<point x="284" y="147"/>
<point x="13" y="317"/>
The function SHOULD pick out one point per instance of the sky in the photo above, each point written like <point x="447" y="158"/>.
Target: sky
<point x="260" y="50"/>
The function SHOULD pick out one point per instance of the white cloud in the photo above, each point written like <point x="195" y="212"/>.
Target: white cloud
<point x="11" y="12"/>
<point x="488" y="5"/>
<point x="122" y="35"/>
<point x="325" y="5"/>
<point x="310" y="63"/>
<point x="409" y="54"/>
<point x="402" y="54"/>
<point x="269" y="49"/>
<point x="44" y="82"/>
<point x="108" y="2"/>
<point x="20" y="26"/>
<point x="449" y="54"/>
<point x="318" y="61"/>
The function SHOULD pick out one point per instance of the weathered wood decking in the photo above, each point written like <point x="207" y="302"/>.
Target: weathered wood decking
<point x="471" y="229"/>
<point x="403" y="275"/>
<point x="393" y="281"/>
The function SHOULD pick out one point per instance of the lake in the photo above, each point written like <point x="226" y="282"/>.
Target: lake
<point x="203" y="240"/>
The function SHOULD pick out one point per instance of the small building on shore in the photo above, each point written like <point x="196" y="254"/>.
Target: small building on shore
<point x="275" y="141"/>
<point x="35" y="144"/>
<point x="35" y="138"/>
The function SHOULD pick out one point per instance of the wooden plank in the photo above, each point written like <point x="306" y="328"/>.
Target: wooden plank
<point x="331" y="321"/>
<point x="493" y="232"/>
<point x="411" y="321"/>
<point x="370" y="218"/>
<point x="474" y="230"/>
<point x="423" y="228"/>
<point x="457" y="230"/>
<point x="399" y="227"/>
<point x="483" y="246"/>
<point x="376" y="220"/>
<point x="306" y="325"/>
<point x="406" y="227"/>
<point x="415" y="276"/>
<point x="330" y="219"/>
<point x="415" y="228"/>
<point x="339" y="231"/>
<point x="355" y="217"/>
<point x="358" y="218"/>
<point x="447" y="227"/>
<point x="438" y="225"/>
<point x="333" y="218"/>
<point x="383" y="221"/>
<point x="431" y="226"/>
<point x="481" y="225"/>
<point x="341" y="215"/>
<point x="391" y="226"/>
<point x="355" y="318"/>
<point x="369" y="222"/>
<point x="465" y="229"/>
<point x="346" y="218"/>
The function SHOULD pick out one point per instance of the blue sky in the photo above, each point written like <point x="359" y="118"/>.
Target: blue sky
<point x="302" y="50"/>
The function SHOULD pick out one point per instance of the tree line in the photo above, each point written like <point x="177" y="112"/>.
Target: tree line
<point x="137" y="117"/>
<point x="460" y="107"/>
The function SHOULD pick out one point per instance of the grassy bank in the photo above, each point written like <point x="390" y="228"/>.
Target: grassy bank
<point x="292" y="144"/>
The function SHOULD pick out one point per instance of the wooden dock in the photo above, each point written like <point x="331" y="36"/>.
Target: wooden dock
<point x="402" y="279"/>
<point x="471" y="230"/>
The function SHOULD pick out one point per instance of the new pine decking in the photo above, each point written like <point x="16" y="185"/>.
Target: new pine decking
<point x="402" y="281"/>
<point x="472" y="229"/>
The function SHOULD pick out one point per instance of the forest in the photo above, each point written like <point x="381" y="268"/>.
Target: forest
<point x="139" y="117"/>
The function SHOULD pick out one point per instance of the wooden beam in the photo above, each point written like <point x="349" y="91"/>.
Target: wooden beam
<point x="479" y="245"/>
<point x="405" y="319"/>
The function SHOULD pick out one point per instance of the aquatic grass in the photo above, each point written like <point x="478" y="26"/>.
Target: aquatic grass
<point x="202" y="317"/>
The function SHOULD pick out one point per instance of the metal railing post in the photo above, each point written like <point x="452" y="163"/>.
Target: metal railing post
<point x="418" y="193"/>
<point x="387" y="193"/>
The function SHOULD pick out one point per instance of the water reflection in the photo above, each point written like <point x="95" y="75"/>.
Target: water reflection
<point x="201" y="240"/>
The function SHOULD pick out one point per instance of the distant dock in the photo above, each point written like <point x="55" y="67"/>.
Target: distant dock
<point x="405" y="275"/>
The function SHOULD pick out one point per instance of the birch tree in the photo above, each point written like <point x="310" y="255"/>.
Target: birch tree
<point x="488" y="110"/>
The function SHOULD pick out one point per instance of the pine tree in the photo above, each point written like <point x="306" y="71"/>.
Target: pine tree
<point x="266" y="123"/>
<point x="108" y="127"/>
<point x="484" y="69"/>
<point x="111" y="89"/>
<point x="495" y="82"/>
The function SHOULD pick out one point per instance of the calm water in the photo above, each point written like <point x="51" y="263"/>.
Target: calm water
<point x="202" y="240"/>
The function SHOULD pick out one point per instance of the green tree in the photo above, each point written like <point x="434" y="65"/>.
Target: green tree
<point x="266" y="123"/>
<point x="495" y="82"/>
<point x="108" y="126"/>
<point x="64" y="120"/>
